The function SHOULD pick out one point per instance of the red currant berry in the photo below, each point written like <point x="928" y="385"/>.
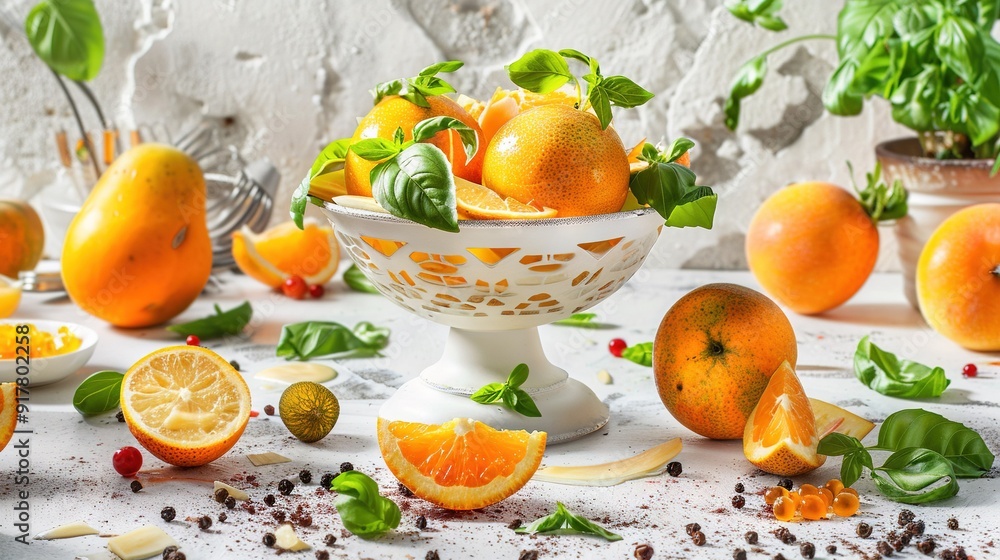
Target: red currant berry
<point x="193" y="340"/>
<point x="294" y="287"/>
<point x="316" y="291"/>
<point x="127" y="461"/>
<point x="616" y="347"/>
<point x="970" y="370"/>
<point x="254" y="414"/>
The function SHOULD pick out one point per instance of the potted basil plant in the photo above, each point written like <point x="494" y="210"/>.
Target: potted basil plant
<point x="937" y="65"/>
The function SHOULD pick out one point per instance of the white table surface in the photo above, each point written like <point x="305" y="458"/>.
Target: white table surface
<point x="72" y="477"/>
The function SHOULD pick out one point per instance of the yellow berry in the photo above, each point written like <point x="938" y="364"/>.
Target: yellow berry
<point x="773" y="493"/>
<point x="827" y="496"/>
<point x="795" y="498"/>
<point x="849" y="491"/>
<point x="784" y="509"/>
<point x="846" y="504"/>
<point x="834" y="485"/>
<point x="808" y="490"/>
<point x="813" y="507"/>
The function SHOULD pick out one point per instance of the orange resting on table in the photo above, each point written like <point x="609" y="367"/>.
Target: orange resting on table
<point x="185" y="404"/>
<point x="43" y="344"/>
<point x="22" y="237"/>
<point x="461" y="464"/>
<point x="781" y="436"/>
<point x="285" y="250"/>
<point x="8" y="412"/>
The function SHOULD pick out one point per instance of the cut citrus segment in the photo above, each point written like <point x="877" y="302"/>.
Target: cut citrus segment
<point x="185" y="404"/>
<point x="504" y="105"/>
<point x="285" y="250"/>
<point x="461" y="464"/>
<point x="831" y="418"/>
<point x="309" y="410"/>
<point x="8" y="412"/>
<point x="359" y="202"/>
<point x="480" y="203"/>
<point x="651" y="462"/>
<point x="328" y="185"/>
<point x="780" y="436"/>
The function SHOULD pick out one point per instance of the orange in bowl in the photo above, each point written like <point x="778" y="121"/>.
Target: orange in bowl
<point x="185" y="404"/>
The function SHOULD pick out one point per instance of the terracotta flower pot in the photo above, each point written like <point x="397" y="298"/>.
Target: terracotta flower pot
<point x="938" y="189"/>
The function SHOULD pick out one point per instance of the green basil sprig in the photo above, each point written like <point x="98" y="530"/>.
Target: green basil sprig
<point x="881" y="202"/>
<point x="544" y="71"/>
<point x="565" y="522"/>
<point x="67" y="36"/>
<point x="641" y="354"/>
<point x="99" y="393"/>
<point x="928" y="451"/>
<point x="357" y="281"/>
<point x="362" y="509"/>
<point x="670" y="188"/>
<point x="509" y="393"/>
<point x="417" y="89"/>
<point x="583" y="321"/>
<point x="760" y="12"/>
<point x="314" y="339"/>
<point x="331" y="159"/>
<point x="885" y="373"/>
<point x="220" y="324"/>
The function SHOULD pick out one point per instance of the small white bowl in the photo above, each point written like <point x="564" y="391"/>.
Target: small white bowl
<point x="42" y="371"/>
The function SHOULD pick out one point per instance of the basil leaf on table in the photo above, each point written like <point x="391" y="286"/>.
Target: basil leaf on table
<point x="99" y="393"/>
<point x="961" y="446"/>
<point x="362" y="509"/>
<point x="565" y="522"/>
<point x="582" y="321"/>
<point x="856" y="457"/>
<point x="220" y="324"/>
<point x="641" y="354"/>
<point x="885" y="373"/>
<point x="417" y="185"/>
<point x="510" y="393"/>
<point x="357" y="281"/>
<point x="910" y="471"/>
<point x="313" y="339"/>
<point x="67" y="36"/>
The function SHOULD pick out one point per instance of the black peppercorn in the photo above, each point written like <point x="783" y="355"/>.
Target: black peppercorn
<point x="953" y="524"/>
<point x="904" y="539"/>
<point x="322" y="555"/>
<point x="204" y="522"/>
<point x="269" y="539"/>
<point x="751" y="537"/>
<point x="223" y="517"/>
<point x="406" y="492"/>
<point x="897" y="545"/>
<point x="230" y="502"/>
<point x="948" y="554"/>
<point x="960" y="553"/>
<point x="305" y="520"/>
<point x="905" y="517"/>
<point x="220" y="495"/>
<point x="421" y="522"/>
<point x="739" y="554"/>
<point x="739" y="501"/>
<point x="528" y="555"/>
<point x="807" y="550"/>
<point x="169" y="550"/>
<point x="269" y="500"/>
<point x="120" y="416"/>
<point x="305" y="476"/>
<point x="864" y="530"/>
<point x="345" y="466"/>
<point x="883" y="548"/>
<point x="176" y="555"/>
<point x="278" y="515"/>
<point x="514" y="524"/>
<point x="698" y="538"/>
<point x="326" y="480"/>
<point x="674" y="468"/>
<point x="926" y="546"/>
<point x="778" y="556"/>
<point x="329" y="540"/>
<point x="269" y="410"/>
<point x="168" y="514"/>
<point x="787" y="537"/>
<point x="739" y="488"/>
<point x="915" y="528"/>
<point x="235" y="364"/>
<point x="643" y="552"/>
<point x="831" y="549"/>
<point x="433" y="555"/>
<point x="785" y="483"/>
<point x="692" y="528"/>
<point x="135" y="486"/>
<point x="285" y="486"/>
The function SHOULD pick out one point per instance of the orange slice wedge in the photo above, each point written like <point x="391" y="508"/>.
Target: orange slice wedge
<point x="477" y="202"/>
<point x="461" y="464"/>
<point x="8" y="412"/>
<point x="285" y="250"/>
<point x="831" y="418"/>
<point x="780" y="436"/>
<point x="185" y="404"/>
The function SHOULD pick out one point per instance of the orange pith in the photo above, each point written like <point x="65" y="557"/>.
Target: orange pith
<point x="185" y="404"/>
<point x="461" y="464"/>
<point x="780" y="436"/>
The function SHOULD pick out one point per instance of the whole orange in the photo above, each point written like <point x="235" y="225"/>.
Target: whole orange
<point x="714" y="353"/>
<point x="558" y="157"/>
<point x="958" y="278"/>
<point x="138" y="252"/>
<point x="811" y="246"/>
<point x="22" y="237"/>
<point x="394" y="112"/>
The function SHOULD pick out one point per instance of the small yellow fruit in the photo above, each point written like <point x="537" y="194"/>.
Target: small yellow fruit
<point x="309" y="410"/>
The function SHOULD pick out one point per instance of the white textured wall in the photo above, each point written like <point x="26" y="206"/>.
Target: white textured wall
<point x="294" y="74"/>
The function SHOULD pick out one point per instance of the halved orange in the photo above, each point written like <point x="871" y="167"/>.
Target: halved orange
<point x="461" y="464"/>
<point x="780" y="436"/>
<point x="476" y="202"/>
<point x="285" y="250"/>
<point x="185" y="404"/>
<point x="8" y="412"/>
<point x="504" y="105"/>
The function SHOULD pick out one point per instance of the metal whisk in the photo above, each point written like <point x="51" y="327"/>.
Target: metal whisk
<point x="246" y="199"/>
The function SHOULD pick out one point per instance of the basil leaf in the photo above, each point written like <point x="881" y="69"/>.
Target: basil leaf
<point x="665" y="186"/>
<point x="447" y="67"/>
<point x="539" y="71"/>
<point x="489" y="393"/>
<point x="856" y="457"/>
<point x="853" y="466"/>
<point x="883" y="372"/>
<point x="595" y="68"/>
<point x="835" y="444"/>
<point x="417" y="185"/>
<point x="67" y="36"/>
<point x="357" y="281"/>
<point x="600" y="102"/>
<point x="297" y="210"/>
<point x="623" y="92"/>
<point x="960" y="47"/>
<point x="678" y="148"/>
<point x="641" y="354"/>
<point x="418" y="88"/>
<point x="313" y="339"/>
<point x="762" y="12"/>
<point x="375" y="149"/>
<point x="517" y="376"/>
<point x="565" y="522"/>
<point x="385" y="89"/>
<point x="963" y="447"/>
<point x="99" y="393"/>
<point x="362" y="509"/>
<point x="331" y="158"/>
<point x="583" y="321"/>
<point x="747" y="81"/>
<point x="509" y="394"/>
<point x="910" y="471"/>
<point x="696" y="209"/>
<point x="427" y="128"/>
<point x="220" y="324"/>
<point x="839" y="96"/>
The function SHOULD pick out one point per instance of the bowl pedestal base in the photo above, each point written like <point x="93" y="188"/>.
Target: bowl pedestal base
<point x="472" y="359"/>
